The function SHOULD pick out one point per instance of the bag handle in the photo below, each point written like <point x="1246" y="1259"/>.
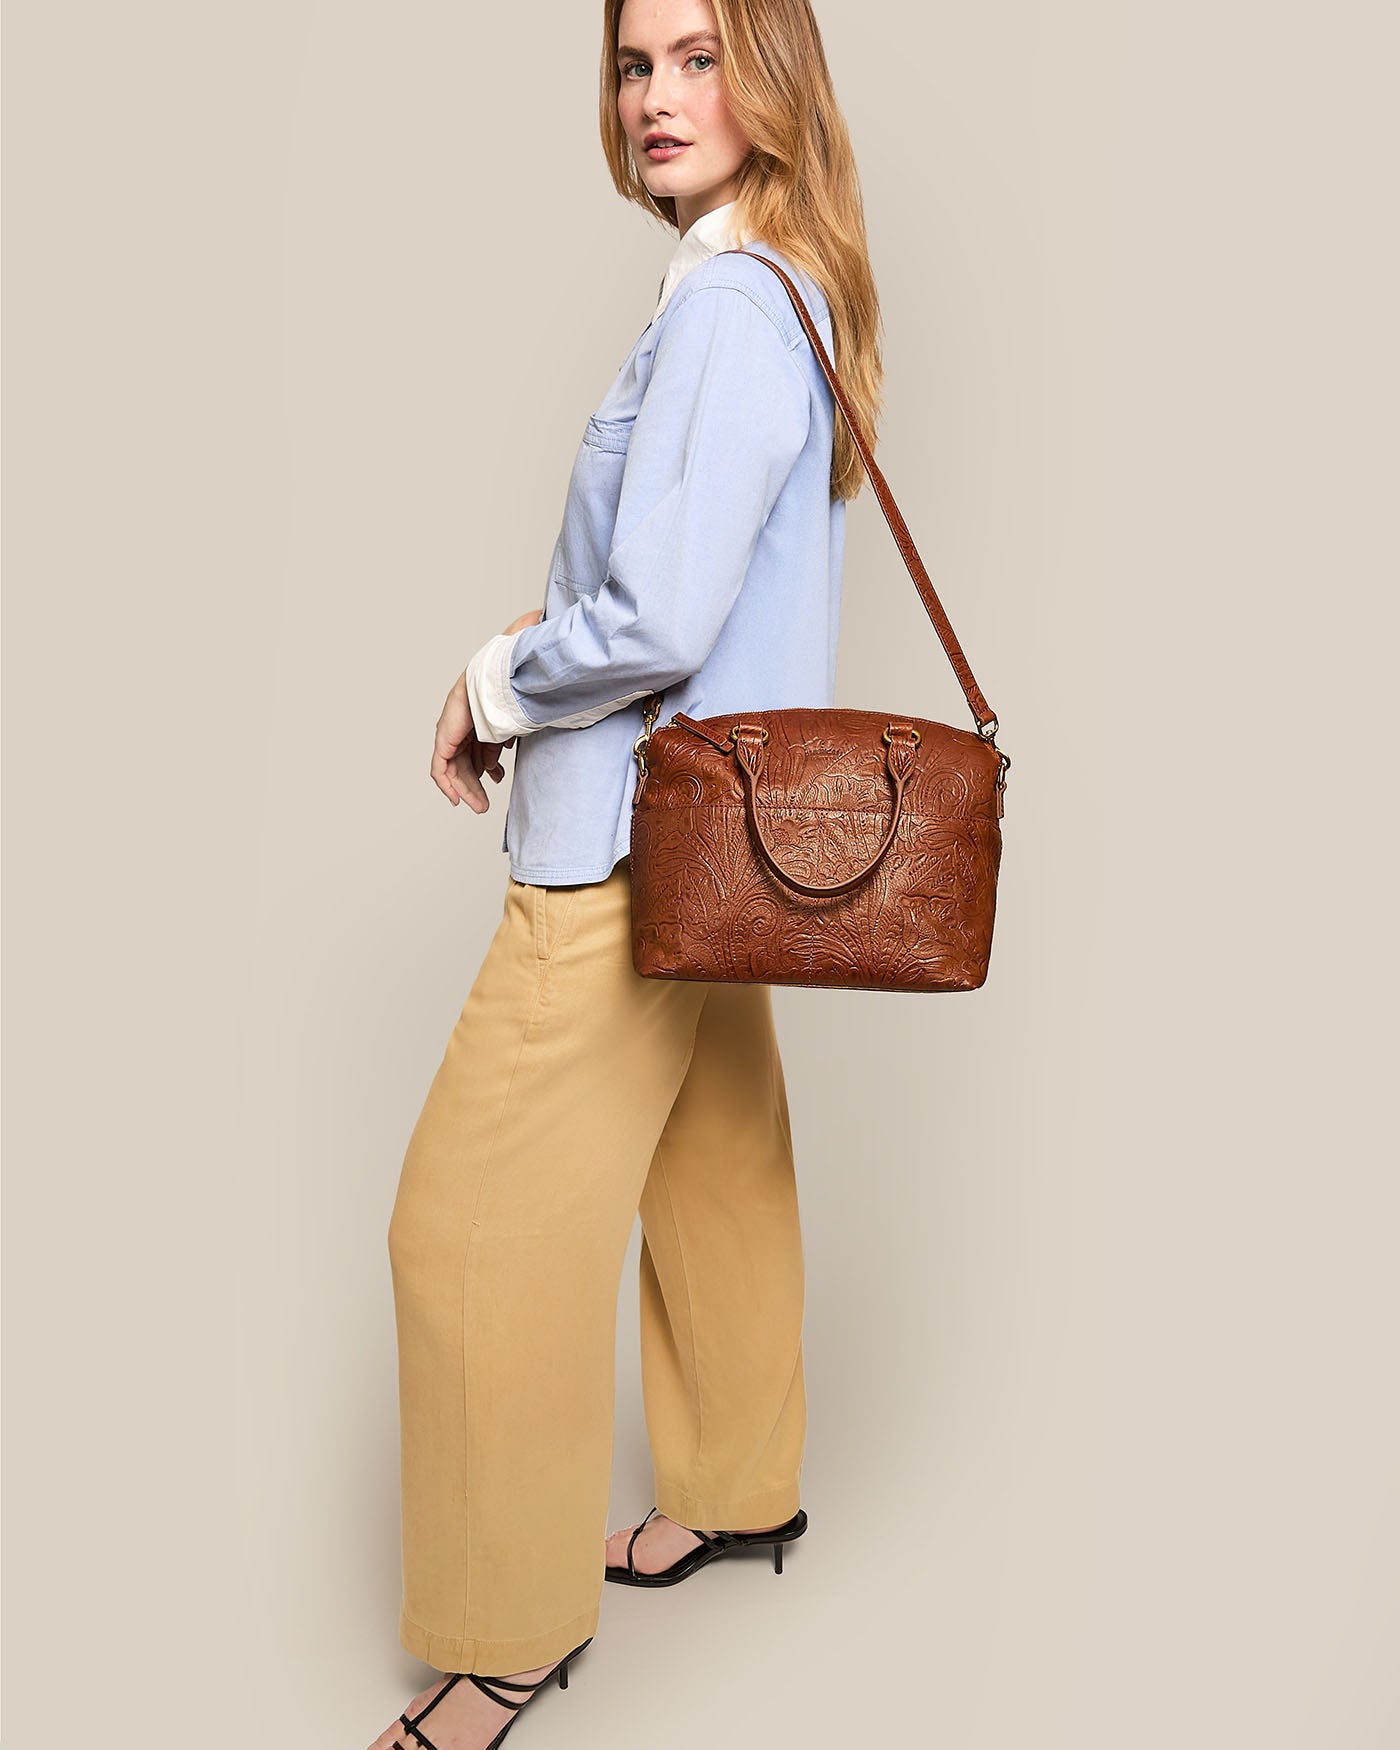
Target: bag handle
<point x="750" y="755"/>
<point x="983" y="715"/>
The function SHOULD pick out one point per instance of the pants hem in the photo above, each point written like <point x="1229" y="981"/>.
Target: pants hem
<point x="497" y="1658"/>
<point x="771" y="1507"/>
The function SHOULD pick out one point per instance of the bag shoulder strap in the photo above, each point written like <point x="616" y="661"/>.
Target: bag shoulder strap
<point x="982" y="712"/>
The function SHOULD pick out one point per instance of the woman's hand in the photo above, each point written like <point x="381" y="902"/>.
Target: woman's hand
<point x="459" y="758"/>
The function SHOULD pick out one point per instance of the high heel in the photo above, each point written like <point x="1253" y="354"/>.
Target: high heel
<point x="712" y="1544"/>
<point x="560" y="1671"/>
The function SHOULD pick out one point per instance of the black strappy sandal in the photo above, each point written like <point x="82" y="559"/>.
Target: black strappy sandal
<point x="561" y="1671"/>
<point x="712" y="1544"/>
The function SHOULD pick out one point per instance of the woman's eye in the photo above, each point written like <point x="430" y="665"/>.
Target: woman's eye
<point x="630" y="67"/>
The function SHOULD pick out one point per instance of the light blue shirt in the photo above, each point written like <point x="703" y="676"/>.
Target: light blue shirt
<point x="700" y="555"/>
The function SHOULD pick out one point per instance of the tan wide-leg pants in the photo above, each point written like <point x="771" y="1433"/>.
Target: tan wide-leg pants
<point x="573" y="1093"/>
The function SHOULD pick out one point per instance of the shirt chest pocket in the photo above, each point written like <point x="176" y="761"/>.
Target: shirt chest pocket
<point x="590" y="513"/>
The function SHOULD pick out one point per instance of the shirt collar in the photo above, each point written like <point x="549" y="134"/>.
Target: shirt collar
<point x="718" y="229"/>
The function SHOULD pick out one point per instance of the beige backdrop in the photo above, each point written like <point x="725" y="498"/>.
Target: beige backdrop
<point x="307" y="306"/>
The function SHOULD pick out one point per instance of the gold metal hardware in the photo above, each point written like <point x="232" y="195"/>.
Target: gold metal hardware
<point x="988" y="730"/>
<point x="649" y="715"/>
<point x="734" y="731"/>
<point x="885" y="735"/>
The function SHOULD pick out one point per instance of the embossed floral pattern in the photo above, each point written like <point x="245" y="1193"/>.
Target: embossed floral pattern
<point x="706" y="906"/>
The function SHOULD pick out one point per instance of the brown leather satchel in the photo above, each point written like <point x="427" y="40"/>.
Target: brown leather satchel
<point x="818" y="845"/>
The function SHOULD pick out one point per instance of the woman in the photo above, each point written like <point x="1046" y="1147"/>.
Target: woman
<point x="700" y="555"/>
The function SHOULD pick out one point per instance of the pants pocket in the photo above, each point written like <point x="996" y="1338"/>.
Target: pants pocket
<point x="553" y="908"/>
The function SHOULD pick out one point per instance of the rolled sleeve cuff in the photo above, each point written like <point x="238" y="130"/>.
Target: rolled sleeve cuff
<point x="496" y="707"/>
<point x="495" y="714"/>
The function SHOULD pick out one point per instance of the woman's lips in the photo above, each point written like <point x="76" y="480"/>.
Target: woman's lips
<point x="671" y="149"/>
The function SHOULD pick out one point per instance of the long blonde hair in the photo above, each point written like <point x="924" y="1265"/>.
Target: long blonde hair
<point x="798" y="190"/>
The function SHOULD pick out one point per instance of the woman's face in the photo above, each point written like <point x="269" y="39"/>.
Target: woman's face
<point x="672" y="83"/>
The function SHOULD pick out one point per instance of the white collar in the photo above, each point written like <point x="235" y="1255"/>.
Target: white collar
<point x="718" y="229"/>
